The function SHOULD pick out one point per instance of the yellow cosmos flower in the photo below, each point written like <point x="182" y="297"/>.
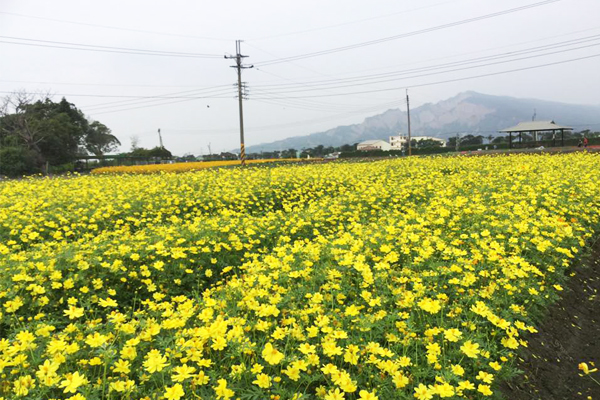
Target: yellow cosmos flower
<point x="122" y="366"/>
<point x="23" y="384"/>
<point x="484" y="389"/>
<point x="174" y="392"/>
<point x="365" y="395"/>
<point x="74" y="312"/>
<point x="445" y="390"/>
<point x="96" y="339"/>
<point x="222" y="391"/>
<point x="458" y="370"/>
<point x="182" y="373"/>
<point x="452" y="335"/>
<point x="585" y="369"/>
<point x="271" y="354"/>
<point x="470" y="349"/>
<point x="263" y="381"/>
<point x="335" y="394"/>
<point x="155" y="361"/>
<point x="72" y="382"/>
<point x="422" y="392"/>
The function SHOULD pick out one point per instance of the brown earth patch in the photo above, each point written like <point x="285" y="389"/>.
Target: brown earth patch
<point x="569" y="335"/>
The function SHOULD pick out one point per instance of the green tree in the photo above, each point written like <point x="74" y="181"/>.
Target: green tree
<point x="42" y="131"/>
<point x="99" y="140"/>
<point x="158" y="152"/>
<point x="425" y="143"/>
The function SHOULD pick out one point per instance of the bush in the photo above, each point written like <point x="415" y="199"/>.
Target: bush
<point x="17" y="161"/>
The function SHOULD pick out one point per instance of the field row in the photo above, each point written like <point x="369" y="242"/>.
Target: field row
<point x="182" y="167"/>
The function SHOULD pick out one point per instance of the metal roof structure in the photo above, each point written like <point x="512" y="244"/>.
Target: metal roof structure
<point x="536" y="126"/>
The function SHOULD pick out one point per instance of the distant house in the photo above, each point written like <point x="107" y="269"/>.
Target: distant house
<point x="397" y="142"/>
<point x="374" y="145"/>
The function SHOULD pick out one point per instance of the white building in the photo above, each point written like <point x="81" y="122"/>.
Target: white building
<point x="397" y="142"/>
<point x="374" y="145"/>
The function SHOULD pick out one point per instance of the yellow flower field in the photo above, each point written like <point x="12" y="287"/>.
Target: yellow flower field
<point x="401" y="279"/>
<point x="182" y="167"/>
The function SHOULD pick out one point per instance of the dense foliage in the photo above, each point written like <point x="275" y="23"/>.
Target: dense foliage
<point x="34" y="133"/>
<point x="401" y="279"/>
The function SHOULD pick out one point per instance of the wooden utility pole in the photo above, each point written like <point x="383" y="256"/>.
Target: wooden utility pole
<point x="408" y="115"/>
<point x="238" y="64"/>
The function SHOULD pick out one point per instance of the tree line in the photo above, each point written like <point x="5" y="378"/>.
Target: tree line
<point x="36" y="132"/>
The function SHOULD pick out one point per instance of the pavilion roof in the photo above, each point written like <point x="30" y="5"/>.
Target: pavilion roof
<point x="536" y="126"/>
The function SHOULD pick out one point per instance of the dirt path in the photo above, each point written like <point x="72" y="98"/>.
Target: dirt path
<point x="569" y="335"/>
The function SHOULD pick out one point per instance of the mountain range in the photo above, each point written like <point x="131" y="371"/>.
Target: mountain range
<point x="468" y="112"/>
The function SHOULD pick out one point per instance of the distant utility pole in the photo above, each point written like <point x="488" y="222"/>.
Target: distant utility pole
<point x="533" y="119"/>
<point x="160" y="138"/>
<point x="408" y="115"/>
<point x="238" y="64"/>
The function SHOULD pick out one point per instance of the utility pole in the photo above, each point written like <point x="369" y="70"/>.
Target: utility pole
<point x="533" y="119"/>
<point x="238" y="64"/>
<point x="408" y="115"/>
<point x="160" y="138"/>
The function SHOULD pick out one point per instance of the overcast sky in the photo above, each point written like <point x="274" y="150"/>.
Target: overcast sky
<point x="191" y="95"/>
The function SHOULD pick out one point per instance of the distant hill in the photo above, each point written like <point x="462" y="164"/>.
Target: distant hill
<point x="468" y="112"/>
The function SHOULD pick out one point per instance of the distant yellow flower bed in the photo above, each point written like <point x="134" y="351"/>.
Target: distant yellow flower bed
<point x="181" y="167"/>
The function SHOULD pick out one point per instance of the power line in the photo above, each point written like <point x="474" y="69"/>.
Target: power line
<point x="405" y="35"/>
<point x="164" y="94"/>
<point x="126" y="103"/>
<point x="307" y="122"/>
<point x="438" y="72"/>
<point x="317" y="84"/>
<point x="318" y="120"/>
<point x="315" y="107"/>
<point x="451" y="80"/>
<point x="123" y="96"/>
<point x="354" y="22"/>
<point x="312" y="105"/>
<point x="430" y="59"/>
<point x="104" y="49"/>
<point x="290" y="62"/>
<point x="154" y="105"/>
<point x="114" y="27"/>
<point x="294" y="83"/>
<point x="97" y="84"/>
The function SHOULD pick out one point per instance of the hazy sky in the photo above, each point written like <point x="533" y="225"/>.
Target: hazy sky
<point x="191" y="95"/>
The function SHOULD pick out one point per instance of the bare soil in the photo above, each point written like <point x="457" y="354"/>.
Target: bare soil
<point x="569" y="335"/>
